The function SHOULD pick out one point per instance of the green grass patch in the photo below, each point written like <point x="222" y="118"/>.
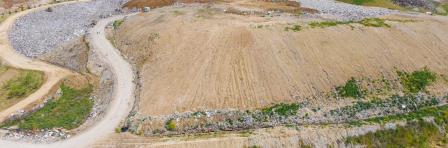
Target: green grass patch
<point x="442" y="9"/>
<point x="416" y="81"/>
<point x="356" y="2"/>
<point x="171" y="125"/>
<point x="294" y="28"/>
<point x="350" y="89"/>
<point x="416" y="134"/>
<point x="411" y="103"/>
<point x="282" y="109"/>
<point x="68" y="112"/>
<point x="117" y="23"/>
<point x="374" y="3"/>
<point x="368" y="22"/>
<point x="374" y="22"/>
<point x="328" y="24"/>
<point x="440" y="114"/>
<point x="25" y="84"/>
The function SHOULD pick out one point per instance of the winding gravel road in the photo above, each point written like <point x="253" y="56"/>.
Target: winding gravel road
<point x="123" y="98"/>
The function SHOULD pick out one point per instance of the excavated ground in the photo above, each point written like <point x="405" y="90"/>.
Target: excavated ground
<point x="196" y="58"/>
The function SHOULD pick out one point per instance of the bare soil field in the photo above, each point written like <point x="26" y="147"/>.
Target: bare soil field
<point x="196" y="59"/>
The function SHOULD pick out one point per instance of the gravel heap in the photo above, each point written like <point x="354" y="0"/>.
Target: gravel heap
<point x="40" y="32"/>
<point x="344" y="11"/>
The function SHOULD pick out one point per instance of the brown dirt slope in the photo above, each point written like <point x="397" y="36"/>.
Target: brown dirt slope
<point x="190" y="62"/>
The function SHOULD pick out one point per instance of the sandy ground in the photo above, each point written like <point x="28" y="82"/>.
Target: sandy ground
<point x="196" y="59"/>
<point x="53" y="74"/>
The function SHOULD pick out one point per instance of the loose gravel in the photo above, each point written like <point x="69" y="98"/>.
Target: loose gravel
<point x="344" y="11"/>
<point x="41" y="32"/>
<point x="38" y="33"/>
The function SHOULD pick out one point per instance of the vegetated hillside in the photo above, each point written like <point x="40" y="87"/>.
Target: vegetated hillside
<point x="193" y="59"/>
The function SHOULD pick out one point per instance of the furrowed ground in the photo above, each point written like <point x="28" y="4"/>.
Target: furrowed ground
<point x="200" y="59"/>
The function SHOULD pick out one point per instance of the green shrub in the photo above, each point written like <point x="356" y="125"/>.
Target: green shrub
<point x="416" y="81"/>
<point x="374" y="22"/>
<point x="117" y="130"/>
<point x="415" y="134"/>
<point x="68" y="112"/>
<point x="282" y="109"/>
<point x="350" y="89"/>
<point x="170" y="125"/>
<point x="440" y="114"/>
<point x="294" y="28"/>
<point x="328" y="24"/>
<point x="444" y="8"/>
<point x="117" y="23"/>
<point x="25" y="84"/>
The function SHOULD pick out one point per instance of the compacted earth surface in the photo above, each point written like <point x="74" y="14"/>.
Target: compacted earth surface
<point x="239" y="73"/>
<point x="238" y="65"/>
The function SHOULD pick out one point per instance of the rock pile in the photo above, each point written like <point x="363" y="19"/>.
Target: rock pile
<point x="344" y="11"/>
<point x="40" y="32"/>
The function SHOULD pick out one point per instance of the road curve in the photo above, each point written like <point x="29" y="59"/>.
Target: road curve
<point x="123" y="97"/>
<point x="53" y="74"/>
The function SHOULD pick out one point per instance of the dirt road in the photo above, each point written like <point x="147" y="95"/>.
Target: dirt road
<point x="53" y="74"/>
<point x="123" y="94"/>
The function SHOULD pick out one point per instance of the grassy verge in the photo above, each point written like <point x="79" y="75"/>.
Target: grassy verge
<point x="328" y="24"/>
<point x="442" y="9"/>
<point x="282" y="109"/>
<point x="415" y="134"/>
<point x="68" y="112"/>
<point x="374" y="3"/>
<point x="25" y="84"/>
<point x="368" y="22"/>
<point x="440" y="114"/>
<point x="16" y="88"/>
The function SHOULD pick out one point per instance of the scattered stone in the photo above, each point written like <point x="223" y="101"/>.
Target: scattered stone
<point x="49" y="9"/>
<point x="344" y="11"/>
<point x="38" y="33"/>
